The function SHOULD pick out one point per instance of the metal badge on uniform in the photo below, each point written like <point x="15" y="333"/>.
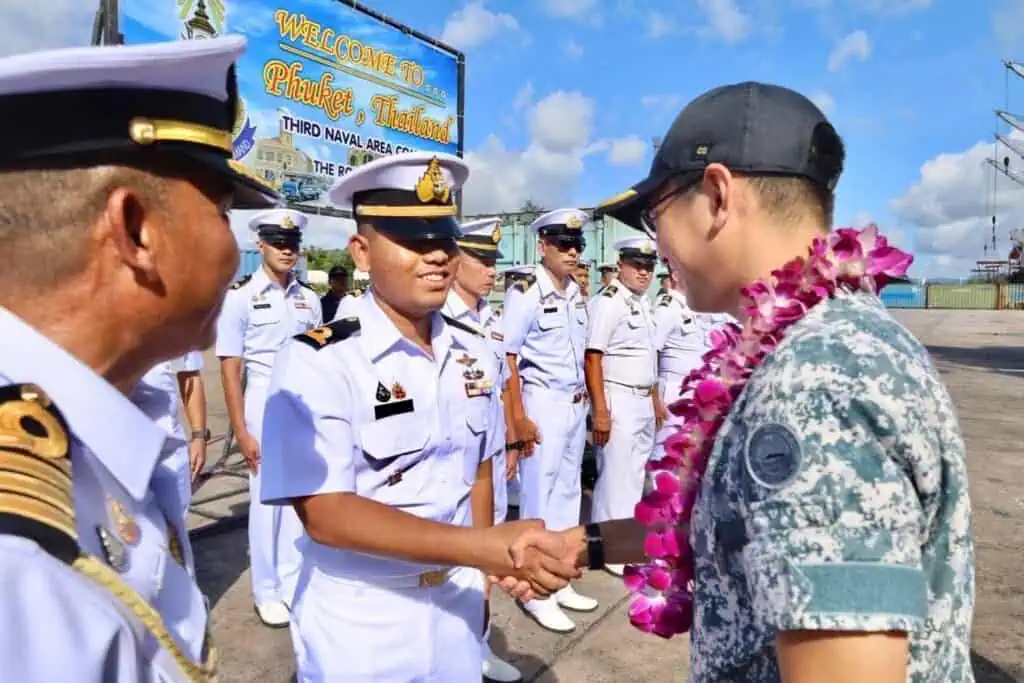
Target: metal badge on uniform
<point x="386" y="407"/>
<point x="125" y="524"/>
<point x="581" y="304"/>
<point x="773" y="455"/>
<point x="479" y="388"/>
<point x="301" y="304"/>
<point x="114" y="552"/>
<point x="466" y="359"/>
<point x="497" y="336"/>
<point x="473" y="373"/>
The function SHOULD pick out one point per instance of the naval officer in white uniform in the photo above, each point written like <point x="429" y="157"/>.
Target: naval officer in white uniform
<point x="621" y="370"/>
<point x="545" y="327"/>
<point x="116" y="178"/>
<point x="262" y="311"/>
<point x="467" y="303"/>
<point x="380" y="430"/>
<point x="679" y="338"/>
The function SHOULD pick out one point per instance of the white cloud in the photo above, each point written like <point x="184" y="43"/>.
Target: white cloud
<point x="474" y="24"/>
<point x="33" y="26"/>
<point x="891" y="8"/>
<point x="579" y="10"/>
<point x="545" y="171"/>
<point x="726" y="20"/>
<point x="627" y="151"/>
<point x="573" y="50"/>
<point x="853" y="46"/>
<point x="825" y="102"/>
<point x="660" y="25"/>
<point x="950" y="204"/>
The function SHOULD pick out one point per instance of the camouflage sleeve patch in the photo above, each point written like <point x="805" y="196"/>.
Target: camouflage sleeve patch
<point x="829" y="515"/>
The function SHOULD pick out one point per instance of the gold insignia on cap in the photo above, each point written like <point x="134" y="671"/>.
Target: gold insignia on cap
<point x="432" y="185"/>
<point x="645" y="248"/>
<point x="125" y="524"/>
<point x="574" y="223"/>
<point x="287" y="223"/>
<point x="496" y="234"/>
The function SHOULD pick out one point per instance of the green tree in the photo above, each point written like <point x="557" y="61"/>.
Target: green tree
<point x="318" y="258"/>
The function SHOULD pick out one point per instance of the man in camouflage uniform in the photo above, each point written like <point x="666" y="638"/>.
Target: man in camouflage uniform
<point x="832" y="536"/>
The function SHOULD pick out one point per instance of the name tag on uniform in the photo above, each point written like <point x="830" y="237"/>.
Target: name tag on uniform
<point x="551" y="309"/>
<point x="393" y="408"/>
<point x="259" y="306"/>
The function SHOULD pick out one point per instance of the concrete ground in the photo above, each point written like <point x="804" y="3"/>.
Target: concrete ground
<point x="981" y="356"/>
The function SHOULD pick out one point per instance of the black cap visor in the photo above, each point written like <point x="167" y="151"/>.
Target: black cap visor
<point x="414" y="229"/>
<point x="250" y="191"/>
<point x="628" y="207"/>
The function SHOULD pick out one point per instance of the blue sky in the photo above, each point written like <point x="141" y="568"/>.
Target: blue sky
<point x="563" y="96"/>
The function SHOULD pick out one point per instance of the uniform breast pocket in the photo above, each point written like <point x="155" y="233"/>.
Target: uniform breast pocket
<point x="395" y="464"/>
<point x="478" y="417"/>
<point x="551" y="323"/>
<point x="263" y="317"/>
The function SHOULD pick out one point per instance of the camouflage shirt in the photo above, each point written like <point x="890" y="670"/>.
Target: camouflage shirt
<point x="836" y="499"/>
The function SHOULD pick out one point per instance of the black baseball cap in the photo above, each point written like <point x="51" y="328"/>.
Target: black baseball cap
<point x="337" y="271"/>
<point x="750" y="127"/>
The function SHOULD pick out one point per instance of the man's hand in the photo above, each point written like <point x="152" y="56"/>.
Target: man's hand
<point x="567" y="547"/>
<point x="602" y="426"/>
<point x="538" y="573"/>
<point x="661" y="413"/>
<point x="250" y="451"/>
<point x="196" y="457"/>
<point x="528" y="433"/>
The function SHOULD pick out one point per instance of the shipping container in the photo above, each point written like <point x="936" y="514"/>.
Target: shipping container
<point x="903" y="295"/>
<point x="977" y="296"/>
<point x="251" y="259"/>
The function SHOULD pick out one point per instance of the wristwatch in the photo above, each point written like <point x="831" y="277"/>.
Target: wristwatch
<point x="595" y="546"/>
<point x="203" y="434"/>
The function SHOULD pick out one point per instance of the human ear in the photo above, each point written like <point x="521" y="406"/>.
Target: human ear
<point x="359" y="248"/>
<point x="134" y="227"/>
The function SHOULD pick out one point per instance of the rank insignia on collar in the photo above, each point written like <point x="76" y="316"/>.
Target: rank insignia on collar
<point x="466" y="360"/>
<point x="383" y="395"/>
<point x="125" y="524"/>
<point x="114" y="552"/>
<point x="398" y="391"/>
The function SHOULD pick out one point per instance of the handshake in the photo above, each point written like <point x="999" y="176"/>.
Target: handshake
<point x="527" y="561"/>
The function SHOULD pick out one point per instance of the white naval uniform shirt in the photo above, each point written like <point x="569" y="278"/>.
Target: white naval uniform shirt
<point x="485" y="321"/>
<point x="56" y="624"/>
<point x="259" y="316"/>
<point x="622" y="329"/>
<point x="679" y="335"/>
<point x="547" y="330"/>
<point x="375" y="415"/>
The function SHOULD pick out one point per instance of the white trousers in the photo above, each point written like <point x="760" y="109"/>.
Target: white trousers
<point x="669" y="384"/>
<point x="348" y="631"/>
<point x="550" y="487"/>
<point x="274" y="530"/>
<point x="622" y="461"/>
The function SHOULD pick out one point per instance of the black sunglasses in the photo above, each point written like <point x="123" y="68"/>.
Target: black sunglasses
<point x="566" y="242"/>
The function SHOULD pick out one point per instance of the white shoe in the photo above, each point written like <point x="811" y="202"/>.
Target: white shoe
<point x="497" y="669"/>
<point x="548" y="614"/>
<point x="570" y="599"/>
<point x="615" y="569"/>
<point x="273" y="614"/>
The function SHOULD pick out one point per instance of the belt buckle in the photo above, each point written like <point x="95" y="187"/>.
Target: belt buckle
<point x="433" y="579"/>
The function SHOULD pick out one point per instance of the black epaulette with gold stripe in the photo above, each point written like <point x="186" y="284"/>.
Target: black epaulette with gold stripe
<point x="665" y="300"/>
<point x="241" y="282"/>
<point x="328" y="334"/>
<point x="461" y="325"/>
<point x="609" y="291"/>
<point x="35" y="472"/>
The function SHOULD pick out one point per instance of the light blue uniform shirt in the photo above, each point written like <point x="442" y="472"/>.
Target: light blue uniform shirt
<point x="57" y="624"/>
